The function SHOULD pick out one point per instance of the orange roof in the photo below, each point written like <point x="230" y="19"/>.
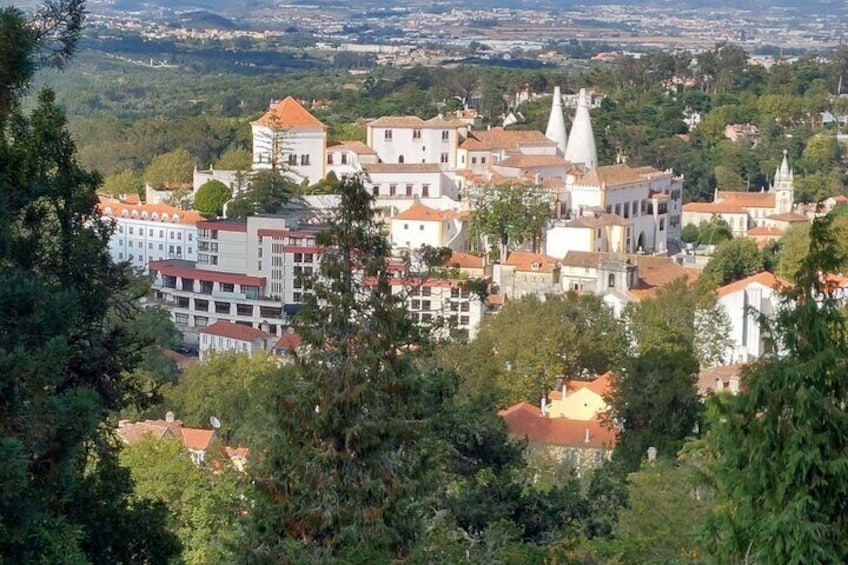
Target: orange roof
<point x="715" y="207"/>
<point x="524" y="261"/>
<point x="530" y="161"/>
<point x="747" y="199"/>
<point x="288" y="341"/>
<point x="525" y="420"/>
<point x="237" y="452"/>
<point x="790" y="217"/>
<point x="765" y="278"/>
<point x="197" y="439"/>
<point x="157" y="429"/>
<point x="611" y="175"/>
<point x="466" y="261"/>
<point x="420" y="213"/>
<point x="600" y="385"/>
<point x="234" y="331"/>
<point x="289" y="114"/>
<point x="353" y="146"/>
<point x="168" y="214"/>
<point x="764" y="230"/>
<point x="707" y="377"/>
<point x="412" y="122"/>
<point x="499" y="138"/>
<point x="131" y="199"/>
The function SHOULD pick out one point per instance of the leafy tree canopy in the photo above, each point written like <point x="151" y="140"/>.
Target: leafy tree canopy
<point x="172" y="169"/>
<point x="126" y="182"/>
<point x="510" y="215"/>
<point x="211" y="197"/>
<point x="732" y="260"/>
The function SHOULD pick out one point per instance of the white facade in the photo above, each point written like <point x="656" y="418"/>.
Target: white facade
<point x="421" y="225"/>
<point x="446" y="306"/>
<point x="150" y="232"/>
<point x="292" y="139"/>
<point x="226" y="336"/>
<point x="744" y="301"/>
<point x="409" y="139"/>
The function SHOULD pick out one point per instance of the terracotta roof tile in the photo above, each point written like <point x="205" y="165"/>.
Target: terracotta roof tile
<point x="234" y="331"/>
<point x="420" y="213"/>
<point x="499" y="138"/>
<point x="465" y="261"/>
<point x="747" y="199"/>
<point x="288" y="341"/>
<point x="715" y="207"/>
<point x="115" y="209"/>
<point x="611" y="175"/>
<point x="197" y="439"/>
<point x="790" y="217"/>
<point x="765" y="278"/>
<point x="525" y="420"/>
<point x="764" y="230"/>
<point x="413" y="122"/>
<point x="353" y="146"/>
<point x="707" y="377"/>
<point x="524" y="261"/>
<point x="289" y="114"/>
<point x="531" y="161"/>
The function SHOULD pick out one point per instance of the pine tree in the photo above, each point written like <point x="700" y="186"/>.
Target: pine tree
<point x="338" y="477"/>
<point x="65" y="348"/>
<point x="778" y="452"/>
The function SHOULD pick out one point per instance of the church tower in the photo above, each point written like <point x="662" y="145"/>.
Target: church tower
<point x="784" y="187"/>
<point x="556" y="123"/>
<point x="581" y="142"/>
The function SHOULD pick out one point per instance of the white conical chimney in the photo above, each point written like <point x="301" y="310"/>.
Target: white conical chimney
<point x="556" y="123"/>
<point x="581" y="142"/>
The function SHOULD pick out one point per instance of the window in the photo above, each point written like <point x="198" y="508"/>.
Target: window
<point x="463" y="320"/>
<point x="167" y="280"/>
<point x="426" y="318"/>
<point x="304" y="160"/>
<point x="150" y="245"/>
<point x="179" y="235"/>
<point x="416" y="305"/>
<point x="421" y="227"/>
<point x="426" y="291"/>
<point x="201" y="321"/>
<point x="662" y="223"/>
<point x="161" y="233"/>
<point x="171" y="249"/>
<point x="222" y="307"/>
<point x="201" y="305"/>
<point x="375" y="190"/>
<point x="474" y="160"/>
<point x="392" y="189"/>
<point x="130" y="244"/>
<point x="465" y="307"/>
<point x="188" y="284"/>
<point x="445" y="135"/>
<point x="268" y="312"/>
<point x="443" y="158"/>
<point x="191" y="236"/>
<point x="400" y="159"/>
<point x="205" y="287"/>
<point x="425" y="305"/>
<point x="425" y="190"/>
<point x="131" y="230"/>
<point x="228" y="287"/>
<point x="151" y="232"/>
<point x="483" y="160"/>
<point x="251" y="292"/>
<point x="298" y="257"/>
<point x="297" y="297"/>
<point x="181" y="319"/>
<point x="182" y="302"/>
<point x="329" y="158"/>
<point x="244" y="309"/>
<point x="406" y="226"/>
<point x="307" y="257"/>
<point x="387" y="135"/>
<point x="611" y="280"/>
<point x="409" y="190"/>
<point x="416" y="134"/>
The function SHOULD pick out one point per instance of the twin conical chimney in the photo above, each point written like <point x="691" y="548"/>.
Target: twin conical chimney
<point x="556" y="123"/>
<point x="581" y="142"/>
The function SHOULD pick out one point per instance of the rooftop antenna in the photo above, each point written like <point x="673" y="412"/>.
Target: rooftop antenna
<point x="215" y="422"/>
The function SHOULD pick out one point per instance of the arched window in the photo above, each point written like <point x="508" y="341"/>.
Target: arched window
<point x="135" y="213"/>
<point x="124" y="213"/>
<point x="400" y="159"/>
<point x="144" y="215"/>
<point x="164" y="217"/>
<point x="155" y="217"/>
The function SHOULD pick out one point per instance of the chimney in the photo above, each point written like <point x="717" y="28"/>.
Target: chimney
<point x="544" y="405"/>
<point x="564" y="387"/>
<point x="169" y="417"/>
<point x="586" y="439"/>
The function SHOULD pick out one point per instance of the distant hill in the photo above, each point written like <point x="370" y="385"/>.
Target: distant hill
<point x="201" y="19"/>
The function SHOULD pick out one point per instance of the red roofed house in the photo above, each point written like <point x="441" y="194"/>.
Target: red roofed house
<point x="228" y="336"/>
<point x="744" y="301"/>
<point x="293" y="138"/>
<point x="745" y="210"/>
<point x="526" y="273"/>
<point x="196" y="440"/>
<point x="421" y="225"/>
<point x="569" y="426"/>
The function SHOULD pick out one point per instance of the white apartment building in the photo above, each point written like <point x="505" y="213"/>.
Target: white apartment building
<point x="247" y="272"/>
<point x="293" y="139"/>
<point x="396" y="187"/>
<point x="409" y="139"/>
<point x="235" y="337"/>
<point x="150" y="232"/>
<point x="744" y="302"/>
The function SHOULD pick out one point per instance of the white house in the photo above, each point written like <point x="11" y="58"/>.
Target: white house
<point x="150" y="232"/>
<point x="239" y="338"/>
<point x="421" y="225"/>
<point x="744" y="301"/>
<point x="409" y="139"/>
<point x="293" y="139"/>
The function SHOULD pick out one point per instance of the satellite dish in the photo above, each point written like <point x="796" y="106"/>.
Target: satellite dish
<point x="216" y="423"/>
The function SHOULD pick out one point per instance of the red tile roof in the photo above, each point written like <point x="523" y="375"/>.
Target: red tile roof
<point x="413" y="122"/>
<point x="420" y="213"/>
<point x="499" y="138"/>
<point x="790" y="217"/>
<point x="523" y="261"/>
<point x="223" y="225"/>
<point x="611" y="175"/>
<point x="732" y="207"/>
<point x="353" y="146"/>
<point x="235" y="331"/>
<point x="525" y="420"/>
<point x="115" y="209"/>
<point x="289" y="114"/>
<point x="187" y="269"/>
<point x="288" y="341"/>
<point x="601" y="385"/>
<point x="466" y="261"/>
<point x="763" y="231"/>
<point x="531" y="161"/>
<point x="765" y="278"/>
<point x="707" y="377"/>
<point x="197" y="439"/>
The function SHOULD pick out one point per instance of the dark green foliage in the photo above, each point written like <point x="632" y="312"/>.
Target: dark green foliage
<point x="268" y="193"/>
<point x="733" y="260"/>
<point x="689" y="233"/>
<point x="211" y="197"/>
<point x="777" y="451"/>
<point x="714" y="232"/>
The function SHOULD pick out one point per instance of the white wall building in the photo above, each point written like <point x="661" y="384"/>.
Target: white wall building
<point x="409" y="139"/>
<point x="421" y="225"/>
<point x="291" y="137"/>
<point x="744" y="301"/>
<point x="238" y="338"/>
<point x="150" y="232"/>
